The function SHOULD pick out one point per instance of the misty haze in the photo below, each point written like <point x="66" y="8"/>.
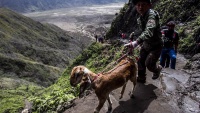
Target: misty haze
<point x="80" y="19"/>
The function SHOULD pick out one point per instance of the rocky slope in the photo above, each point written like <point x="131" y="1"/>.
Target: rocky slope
<point x="32" y="56"/>
<point x="27" y="46"/>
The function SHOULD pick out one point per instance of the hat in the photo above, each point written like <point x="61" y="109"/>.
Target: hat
<point x="136" y="1"/>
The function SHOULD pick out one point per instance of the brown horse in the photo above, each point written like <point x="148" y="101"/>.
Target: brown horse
<point x="104" y="83"/>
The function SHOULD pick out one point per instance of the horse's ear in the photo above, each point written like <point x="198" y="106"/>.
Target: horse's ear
<point x="81" y="69"/>
<point x="74" y="68"/>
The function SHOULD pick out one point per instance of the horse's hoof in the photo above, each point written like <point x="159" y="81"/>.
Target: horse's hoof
<point x="132" y="96"/>
<point x="120" y="97"/>
<point x="109" y="108"/>
<point x="95" y="111"/>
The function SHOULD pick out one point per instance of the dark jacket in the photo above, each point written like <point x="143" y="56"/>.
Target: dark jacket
<point x="170" y="38"/>
<point x="151" y="34"/>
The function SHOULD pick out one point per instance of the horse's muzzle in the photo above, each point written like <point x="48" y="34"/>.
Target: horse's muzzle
<point x="72" y="84"/>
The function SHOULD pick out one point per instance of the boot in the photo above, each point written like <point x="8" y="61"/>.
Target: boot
<point x="156" y="75"/>
<point x="141" y="79"/>
<point x="141" y="76"/>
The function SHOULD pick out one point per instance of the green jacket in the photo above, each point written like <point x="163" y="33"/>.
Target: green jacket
<point x="149" y="26"/>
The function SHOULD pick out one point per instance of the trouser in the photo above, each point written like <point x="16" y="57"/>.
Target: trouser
<point x="148" y="59"/>
<point x="167" y="60"/>
<point x="172" y="55"/>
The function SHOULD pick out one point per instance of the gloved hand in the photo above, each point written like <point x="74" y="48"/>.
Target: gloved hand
<point x="133" y="44"/>
<point x="128" y="44"/>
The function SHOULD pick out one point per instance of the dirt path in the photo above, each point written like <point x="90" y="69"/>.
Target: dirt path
<point x="149" y="98"/>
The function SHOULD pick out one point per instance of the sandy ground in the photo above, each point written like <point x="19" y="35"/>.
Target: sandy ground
<point x="86" y="20"/>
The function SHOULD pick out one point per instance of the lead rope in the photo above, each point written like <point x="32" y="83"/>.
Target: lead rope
<point x="129" y="53"/>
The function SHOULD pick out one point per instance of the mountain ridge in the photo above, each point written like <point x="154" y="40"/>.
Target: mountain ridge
<point x="29" y="41"/>
<point x="32" y="56"/>
<point x="41" y="5"/>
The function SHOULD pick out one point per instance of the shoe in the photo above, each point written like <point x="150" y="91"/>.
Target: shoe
<point x="141" y="79"/>
<point x="156" y="75"/>
<point x="166" y="66"/>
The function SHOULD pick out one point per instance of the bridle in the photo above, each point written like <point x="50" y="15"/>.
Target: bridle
<point x="86" y="72"/>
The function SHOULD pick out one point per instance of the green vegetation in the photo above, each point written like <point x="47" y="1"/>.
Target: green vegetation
<point x="50" y="98"/>
<point x="12" y="99"/>
<point x="96" y="58"/>
<point x="32" y="56"/>
<point x="186" y="14"/>
<point x="178" y="10"/>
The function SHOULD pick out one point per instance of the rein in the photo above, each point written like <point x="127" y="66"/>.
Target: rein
<point x="116" y="67"/>
<point x="123" y="56"/>
<point x="95" y="78"/>
<point x="130" y="52"/>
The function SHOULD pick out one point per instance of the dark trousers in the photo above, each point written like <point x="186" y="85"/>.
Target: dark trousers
<point x="165" y="53"/>
<point x="148" y="59"/>
<point x="167" y="61"/>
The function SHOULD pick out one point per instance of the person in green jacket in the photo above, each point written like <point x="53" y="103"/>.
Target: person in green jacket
<point x="149" y="39"/>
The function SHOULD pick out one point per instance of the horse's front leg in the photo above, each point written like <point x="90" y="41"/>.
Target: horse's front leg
<point x="101" y="103"/>
<point x="83" y="87"/>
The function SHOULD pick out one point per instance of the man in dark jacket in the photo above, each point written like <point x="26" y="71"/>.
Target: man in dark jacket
<point x="149" y="39"/>
<point x="171" y="38"/>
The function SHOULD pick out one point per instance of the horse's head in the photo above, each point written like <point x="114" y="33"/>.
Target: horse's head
<point x="77" y="75"/>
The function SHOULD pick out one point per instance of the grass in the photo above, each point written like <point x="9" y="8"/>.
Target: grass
<point x="96" y="58"/>
<point x="12" y="100"/>
<point x="30" y="53"/>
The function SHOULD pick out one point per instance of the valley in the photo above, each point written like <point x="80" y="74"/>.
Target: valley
<point x="89" y="20"/>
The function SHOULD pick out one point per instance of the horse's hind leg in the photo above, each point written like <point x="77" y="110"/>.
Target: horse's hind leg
<point x="122" y="92"/>
<point x="133" y="89"/>
<point x="110" y="103"/>
<point x="134" y="81"/>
